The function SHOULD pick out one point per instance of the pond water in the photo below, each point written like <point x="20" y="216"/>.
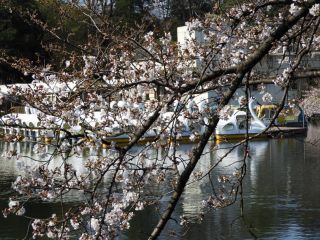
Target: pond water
<point x="281" y="195"/>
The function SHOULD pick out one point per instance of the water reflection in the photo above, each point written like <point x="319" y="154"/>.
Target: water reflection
<point x="281" y="193"/>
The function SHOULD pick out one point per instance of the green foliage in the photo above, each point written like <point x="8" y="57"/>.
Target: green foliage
<point x="66" y="19"/>
<point x="17" y="36"/>
<point x="231" y="3"/>
<point x="130" y="12"/>
<point x="184" y="10"/>
<point x="22" y="37"/>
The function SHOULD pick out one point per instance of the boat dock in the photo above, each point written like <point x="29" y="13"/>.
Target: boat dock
<point x="273" y="132"/>
<point x="286" y="131"/>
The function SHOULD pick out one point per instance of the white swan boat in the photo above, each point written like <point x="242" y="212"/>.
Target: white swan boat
<point x="25" y="123"/>
<point x="235" y="125"/>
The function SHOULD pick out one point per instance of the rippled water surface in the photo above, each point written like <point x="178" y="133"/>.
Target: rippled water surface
<point x="282" y="195"/>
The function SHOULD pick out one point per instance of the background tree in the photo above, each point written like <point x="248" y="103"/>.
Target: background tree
<point x="18" y="38"/>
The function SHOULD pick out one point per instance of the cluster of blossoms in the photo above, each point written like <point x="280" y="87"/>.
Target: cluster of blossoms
<point x="194" y="24"/>
<point x="282" y="79"/>
<point x="49" y="228"/>
<point x="315" y="10"/>
<point x="14" y="208"/>
<point x="311" y="102"/>
<point x="267" y="97"/>
<point x="294" y="8"/>
<point x="226" y="112"/>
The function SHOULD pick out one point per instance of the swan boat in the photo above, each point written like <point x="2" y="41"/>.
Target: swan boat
<point x="25" y="125"/>
<point x="235" y="126"/>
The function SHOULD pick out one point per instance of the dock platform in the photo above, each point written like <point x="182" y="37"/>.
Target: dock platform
<point x="273" y="132"/>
